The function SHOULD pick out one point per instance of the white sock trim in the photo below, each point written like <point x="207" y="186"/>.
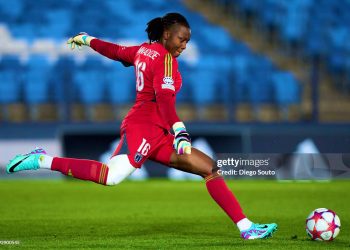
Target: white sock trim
<point x="244" y="224"/>
<point x="119" y="168"/>
<point x="45" y="161"/>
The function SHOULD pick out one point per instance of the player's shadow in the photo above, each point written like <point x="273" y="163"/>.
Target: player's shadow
<point x="192" y="235"/>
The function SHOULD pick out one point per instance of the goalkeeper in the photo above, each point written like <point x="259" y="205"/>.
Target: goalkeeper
<point x="146" y="130"/>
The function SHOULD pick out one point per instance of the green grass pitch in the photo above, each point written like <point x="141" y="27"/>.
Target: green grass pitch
<point x="161" y="214"/>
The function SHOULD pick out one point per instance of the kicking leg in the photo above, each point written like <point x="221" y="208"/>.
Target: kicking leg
<point x="201" y="164"/>
<point x="112" y="173"/>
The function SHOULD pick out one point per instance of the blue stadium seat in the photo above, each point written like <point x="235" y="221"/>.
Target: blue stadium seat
<point x="286" y="89"/>
<point x="338" y="37"/>
<point x="204" y="86"/>
<point x="11" y="72"/>
<point x="337" y="58"/>
<point x="337" y="62"/>
<point x="185" y="94"/>
<point x="90" y="86"/>
<point x="240" y="75"/>
<point x="94" y="62"/>
<point x="116" y="6"/>
<point x="272" y="14"/>
<point x="259" y="87"/>
<point x="315" y="44"/>
<point x="134" y="31"/>
<point x="39" y="62"/>
<point x="260" y="92"/>
<point x="210" y="79"/>
<point x="36" y="88"/>
<point x="36" y="83"/>
<point x="223" y="41"/>
<point x="292" y="27"/>
<point x="121" y="85"/>
<point x="64" y="63"/>
<point x="58" y="24"/>
<point x="10" y="62"/>
<point x="24" y="31"/>
<point x="250" y="6"/>
<point x="61" y="82"/>
<point x="10" y="10"/>
<point x="10" y="87"/>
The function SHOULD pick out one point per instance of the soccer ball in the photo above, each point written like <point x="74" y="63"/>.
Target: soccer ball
<point x="322" y="224"/>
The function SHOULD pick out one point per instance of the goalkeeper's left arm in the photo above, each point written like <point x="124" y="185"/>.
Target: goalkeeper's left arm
<point x="111" y="50"/>
<point x="166" y="106"/>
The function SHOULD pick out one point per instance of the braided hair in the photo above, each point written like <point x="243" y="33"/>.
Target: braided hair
<point x="156" y="26"/>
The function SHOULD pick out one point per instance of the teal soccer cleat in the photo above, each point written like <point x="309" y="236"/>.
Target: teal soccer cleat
<point x="28" y="161"/>
<point x="259" y="231"/>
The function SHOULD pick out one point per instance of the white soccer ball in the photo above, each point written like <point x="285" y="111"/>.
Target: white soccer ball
<point x="322" y="224"/>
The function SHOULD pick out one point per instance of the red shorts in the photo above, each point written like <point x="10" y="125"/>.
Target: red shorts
<point x="145" y="141"/>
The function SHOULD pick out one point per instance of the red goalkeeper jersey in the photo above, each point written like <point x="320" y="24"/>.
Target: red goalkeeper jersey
<point x="157" y="81"/>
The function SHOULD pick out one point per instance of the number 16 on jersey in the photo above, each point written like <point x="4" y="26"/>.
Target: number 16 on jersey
<point x="140" y="69"/>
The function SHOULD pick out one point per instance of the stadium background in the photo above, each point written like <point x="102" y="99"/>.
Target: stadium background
<point x="258" y="76"/>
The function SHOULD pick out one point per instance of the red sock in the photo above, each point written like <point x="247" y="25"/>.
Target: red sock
<point x="223" y="196"/>
<point x="81" y="169"/>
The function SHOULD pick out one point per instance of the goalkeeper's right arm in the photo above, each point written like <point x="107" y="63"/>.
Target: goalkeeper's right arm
<point x="111" y="50"/>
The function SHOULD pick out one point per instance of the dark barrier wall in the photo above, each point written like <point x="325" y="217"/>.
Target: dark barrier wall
<point x="91" y="141"/>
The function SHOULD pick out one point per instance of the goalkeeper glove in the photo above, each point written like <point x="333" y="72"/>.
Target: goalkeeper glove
<point x="78" y="40"/>
<point x="182" y="140"/>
